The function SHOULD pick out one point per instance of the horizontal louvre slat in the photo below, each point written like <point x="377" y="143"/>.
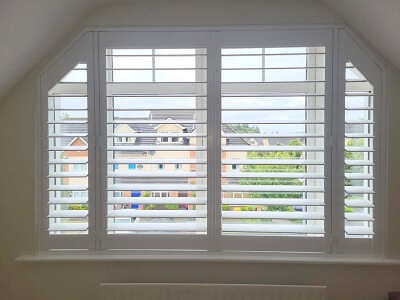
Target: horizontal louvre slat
<point x="158" y="227"/>
<point x="68" y="227"/>
<point x="273" y="201"/>
<point x="157" y="174"/>
<point x="157" y="161"/>
<point x="156" y="88"/>
<point x="270" y="68"/>
<point x="66" y="109"/>
<point x="272" y="188"/>
<point x="358" y="162"/>
<point x="68" y="161"/>
<point x="68" y="148"/>
<point x="130" y="121"/>
<point x="359" y="230"/>
<point x="172" y="110"/>
<point x="68" y="214"/>
<point x="165" y="94"/>
<point x="350" y="94"/>
<point x="358" y="176"/>
<point x="275" y="54"/>
<point x="272" y="135"/>
<point x="160" y="134"/>
<point x="269" y="87"/>
<point x="156" y="200"/>
<point x="155" y="68"/>
<point x="358" y="190"/>
<point x="81" y="200"/>
<point x="271" y="148"/>
<point x="359" y="203"/>
<point x="67" y="135"/>
<point x="68" y="122"/>
<point x="68" y="188"/>
<point x="272" y="162"/>
<point x="358" y="217"/>
<point x="266" y="121"/>
<point x="132" y="213"/>
<point x="272" y="228"/>
<point x="157" y="187"/>
<point x="166" y="55"/>
<point x="360" y="122"/>
<point x="260" y="83"/>
<point x="360" y="108"/>
<point x="157" y="148"/>
<point x="359" y="149"/>
<point x="283" y="108"/>
<point x="359" y="135"/>
<point x="273" y="95"/>
<point x="272" y="215"/>
<point x="272" y="175"/>
<point x="68" y="88"/>
<point x="67" y="174"/>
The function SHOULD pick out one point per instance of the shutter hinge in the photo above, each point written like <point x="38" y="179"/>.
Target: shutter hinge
<point x="98" y="142"/>
<point x="334" y="142"/>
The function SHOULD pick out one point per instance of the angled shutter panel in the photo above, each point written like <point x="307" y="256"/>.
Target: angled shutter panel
<point x="359" y="146"/>
<point x="360" y="86"/>
<point x="68" y="126"/>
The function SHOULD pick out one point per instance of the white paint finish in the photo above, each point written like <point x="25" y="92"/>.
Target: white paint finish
<point x="77" y="280"/>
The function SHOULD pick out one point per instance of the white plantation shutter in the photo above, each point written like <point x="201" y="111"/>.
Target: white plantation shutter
<point x="359" y="130"/>
<point x="70" y="222"/>
<point x="219" y="140"/>
<point x="156" y="101"/>
<point x="274" y="143"/>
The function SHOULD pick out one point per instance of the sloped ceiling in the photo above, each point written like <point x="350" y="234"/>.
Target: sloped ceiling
<point x="378" y="21"/>
<point x="29" y="29"/>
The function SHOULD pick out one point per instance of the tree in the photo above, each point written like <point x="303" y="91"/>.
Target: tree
<point x="287" y="155"/>
<point x="353" y="169"/>
<point x="245" y="128"/>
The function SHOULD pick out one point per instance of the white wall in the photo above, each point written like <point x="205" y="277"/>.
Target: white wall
<point x="80" y="280"/>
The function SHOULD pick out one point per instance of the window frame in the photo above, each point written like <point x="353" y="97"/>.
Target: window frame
<point x="90" y="38"/>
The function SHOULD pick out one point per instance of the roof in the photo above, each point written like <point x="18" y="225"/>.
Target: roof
<point x="148" y="128"/>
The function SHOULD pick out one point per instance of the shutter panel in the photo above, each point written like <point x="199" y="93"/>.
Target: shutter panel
<point x="67" y="127"/>
<point x="68" y="140"/>
<point x="156" y="150"/>
<point x="273" y="145"/>
<point x="360" y="105"/>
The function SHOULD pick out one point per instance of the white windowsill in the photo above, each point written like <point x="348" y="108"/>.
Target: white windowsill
<point x="209" y="257"/>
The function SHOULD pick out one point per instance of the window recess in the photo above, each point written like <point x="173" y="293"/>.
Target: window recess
<point x="219" y="140"/>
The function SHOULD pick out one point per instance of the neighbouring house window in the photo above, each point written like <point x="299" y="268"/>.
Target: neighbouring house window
<point x="256" y="140"/>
